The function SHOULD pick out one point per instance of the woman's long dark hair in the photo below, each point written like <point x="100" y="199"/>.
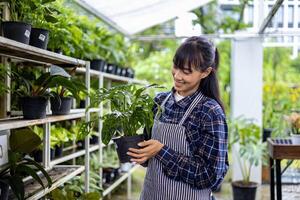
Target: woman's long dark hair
<point x="199" y="53"/>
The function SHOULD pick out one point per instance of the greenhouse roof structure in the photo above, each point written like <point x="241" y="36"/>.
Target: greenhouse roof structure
<point x="131" y="17"/>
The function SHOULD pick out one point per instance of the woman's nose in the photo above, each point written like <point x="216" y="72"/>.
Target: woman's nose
<point x="177" y="74"/>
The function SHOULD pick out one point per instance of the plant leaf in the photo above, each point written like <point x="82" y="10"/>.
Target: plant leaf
<point x="24" y="140"/>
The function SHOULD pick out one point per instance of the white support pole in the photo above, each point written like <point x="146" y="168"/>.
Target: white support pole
<point x="129" y="186"/>
<point x="101" y="84"/>
<point x="246" y="84"/>
<point x="87" y="140"/>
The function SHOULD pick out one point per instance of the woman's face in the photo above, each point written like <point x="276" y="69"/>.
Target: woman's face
<point x="186" y="82"/>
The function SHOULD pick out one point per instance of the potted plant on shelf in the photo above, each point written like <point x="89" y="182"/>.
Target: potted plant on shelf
<point x="65" y="88"/>
<point x="247" y="135"/>
<point x="131" y="110"/>
<point x="22" y="141"/>
<point x="294" y="121"/>
<point x="33" y="91"/>
<point x="16" y="29"/>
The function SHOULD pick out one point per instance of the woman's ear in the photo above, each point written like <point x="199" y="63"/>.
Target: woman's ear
<point x="206" y="72"/>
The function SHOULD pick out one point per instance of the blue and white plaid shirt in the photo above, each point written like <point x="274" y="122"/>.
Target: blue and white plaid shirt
<point x="206" y="131"/>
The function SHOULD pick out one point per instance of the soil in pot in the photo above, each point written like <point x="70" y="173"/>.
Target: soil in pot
<point x="39" y="38"/>
<point x="124" y="143"/>
<point x="62" y="106"/>
<point x="34" y="107"/>
<point x="98" y="64"/>
<point x="18" y="31"/>
<point x="242" y="191"/>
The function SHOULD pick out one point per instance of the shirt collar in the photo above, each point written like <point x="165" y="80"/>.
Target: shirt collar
<point x="186" y="101"/>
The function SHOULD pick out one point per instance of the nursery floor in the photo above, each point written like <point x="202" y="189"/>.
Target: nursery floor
<point x="290" y="192"/>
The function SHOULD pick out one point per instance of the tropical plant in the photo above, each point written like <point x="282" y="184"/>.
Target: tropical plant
<point x="3" y="73"/>
<point x="37" y="84"/>
<point x="131" y="110"/>
<point x="68" y="194"/>
<point x="247" y="135"/>
<point x="22" y="141"/>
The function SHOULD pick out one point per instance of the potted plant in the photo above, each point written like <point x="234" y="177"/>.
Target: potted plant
<point x="41" y="15"/>
<point x="22" y="141"/>
<point x="59" y="136"/>
<point x="294" y="121"/>
<point x="247" y="135"/>
<point x="65" y="88"/>
<point x="33" y="91"/>
<point x="16" y="29"/>
<point x="131" y="110"/>
<point x="38" y="152"/>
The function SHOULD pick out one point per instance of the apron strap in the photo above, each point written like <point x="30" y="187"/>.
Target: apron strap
<point x="158" y="114"/>
<point x="191" y="107"/>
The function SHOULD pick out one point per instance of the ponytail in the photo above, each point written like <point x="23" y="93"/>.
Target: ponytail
<point x="210" y="85"/>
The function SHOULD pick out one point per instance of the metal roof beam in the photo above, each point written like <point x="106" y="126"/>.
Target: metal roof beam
<point x="270" y="16"/>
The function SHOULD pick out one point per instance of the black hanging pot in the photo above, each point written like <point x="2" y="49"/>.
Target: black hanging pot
<point x="243" y="191"/>
<point x="34" y="107"/>
<point x="39" y="38"/>
<point x="18" y="31"/>
<point x="98" y="64"/>
<point x="61" y="106"/>
<point x="4" y="188"/>
<point x="124" y="143"/>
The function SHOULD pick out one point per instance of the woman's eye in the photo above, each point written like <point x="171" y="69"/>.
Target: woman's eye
<point x="186" y="71"/>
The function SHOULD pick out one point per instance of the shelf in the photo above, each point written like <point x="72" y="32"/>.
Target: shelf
<point x="111" y="76"/>
<point x="119" y="181"/>
<point x="59" y="174"/>
<point x="14" y="49"/>
<point x="77" y="154"/>
<point x="73" y="155"/>
<point x="19" y="122"/>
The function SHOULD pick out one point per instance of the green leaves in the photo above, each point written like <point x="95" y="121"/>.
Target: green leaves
<point x="247" y="135"/>
<point x="24" y="140"/>
<point x="131" y="110"/>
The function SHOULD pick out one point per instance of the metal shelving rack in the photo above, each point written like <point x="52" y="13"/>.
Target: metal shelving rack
<point x="19" y="52"/>
<point x="101" y="76"/>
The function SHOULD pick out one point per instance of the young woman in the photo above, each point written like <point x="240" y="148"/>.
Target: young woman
<point x="187" y="152"/>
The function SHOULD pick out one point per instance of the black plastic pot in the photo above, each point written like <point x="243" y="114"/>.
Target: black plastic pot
<point x="82" y="104"/>
<point x="124" y="143"/>
<point x="39" y="38"/>
<point x="59" y="150"/>
<point x="119" y="71"/>
<point x="80" y="144"/>
<point x="98" y="64"/>
<point x="38" y="155"/>
<point x="110" y="68"/>
<point x="4" y="188"/>
<point x="61" y="107"/>
<point x="18" y="31"/>
<point x="242" y="191"/>
<point x="130" y="73"/>
<point x="34" y="107"/>
<point x="94" y="139"/>
<point x="267" y="133"/>
<point x="124" y="71"/>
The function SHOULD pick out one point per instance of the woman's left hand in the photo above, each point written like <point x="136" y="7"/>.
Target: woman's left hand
<point x="148" y="150"/>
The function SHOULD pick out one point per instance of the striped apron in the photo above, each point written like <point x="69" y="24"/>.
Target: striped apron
<point x="157" y="186"/>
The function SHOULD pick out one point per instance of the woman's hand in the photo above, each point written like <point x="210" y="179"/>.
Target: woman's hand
<point x="148" y="150"/>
